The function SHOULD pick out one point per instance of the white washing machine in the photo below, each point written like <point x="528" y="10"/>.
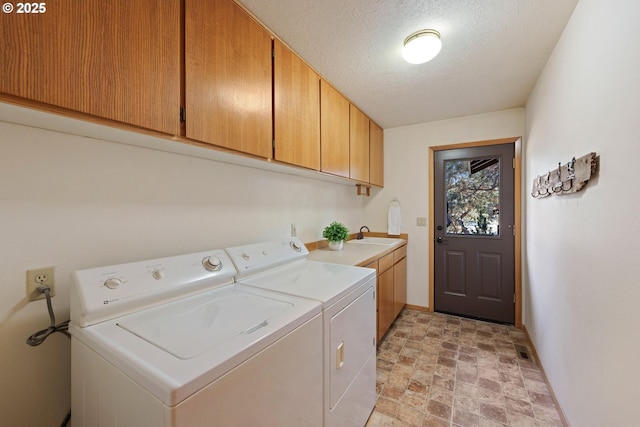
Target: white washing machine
<point x="173" y="342"/>
<point x="347" y="295"/>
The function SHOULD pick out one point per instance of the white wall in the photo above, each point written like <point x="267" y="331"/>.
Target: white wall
<point x="406" y="162"/>
<point x="75" y="202"/>
<point x="582" y="286"/>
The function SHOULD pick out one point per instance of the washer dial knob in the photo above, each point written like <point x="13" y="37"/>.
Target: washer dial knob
<point x="113" y="283"/>
<point x="212" y="263"/>
<point x="157" y="274"/>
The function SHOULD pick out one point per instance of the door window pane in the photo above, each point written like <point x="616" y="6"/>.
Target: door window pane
<point x="473" y="196"/>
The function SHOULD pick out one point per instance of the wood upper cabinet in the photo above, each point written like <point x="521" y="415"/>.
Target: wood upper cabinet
<point x="296" y="96"/>
<point x="376" y="154"/>
<point x="228" y="87"/>
<point x="358" y="145"/>
<point x="118" y="60"/>
<point x="334" y="131"/>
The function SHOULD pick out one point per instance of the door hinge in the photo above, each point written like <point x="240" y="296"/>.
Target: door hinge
<point x="513" y="162"/>
<point x="183" y="115"/>
<point x="514" y="298"/>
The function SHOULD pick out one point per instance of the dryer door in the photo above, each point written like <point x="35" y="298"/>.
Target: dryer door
<point x="352" y="341"/>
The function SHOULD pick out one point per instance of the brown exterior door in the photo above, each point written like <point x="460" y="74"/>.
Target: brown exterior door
<point x="474" y="238"/>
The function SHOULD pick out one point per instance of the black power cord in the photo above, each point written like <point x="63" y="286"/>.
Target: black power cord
<point x="39" y="337"/>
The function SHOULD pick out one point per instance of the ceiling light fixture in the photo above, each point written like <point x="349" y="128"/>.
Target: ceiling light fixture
<point x="421" y="46"/>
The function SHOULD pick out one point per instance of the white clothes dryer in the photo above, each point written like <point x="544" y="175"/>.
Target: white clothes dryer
<point x="347" y="296"/>
<point x="173" y="342"/>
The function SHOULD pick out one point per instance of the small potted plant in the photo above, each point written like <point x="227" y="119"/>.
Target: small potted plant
<point x="335" y="233"/>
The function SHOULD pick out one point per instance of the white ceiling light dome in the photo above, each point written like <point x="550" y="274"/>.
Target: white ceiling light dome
<point x="421" y="46"/>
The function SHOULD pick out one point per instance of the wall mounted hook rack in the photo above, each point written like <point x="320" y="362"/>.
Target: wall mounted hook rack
<point x="566" y="179"/>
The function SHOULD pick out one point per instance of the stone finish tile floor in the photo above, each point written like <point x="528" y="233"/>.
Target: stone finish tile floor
<point x="439" y="370"/>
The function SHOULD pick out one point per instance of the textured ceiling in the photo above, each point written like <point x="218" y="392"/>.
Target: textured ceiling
<point x="493" y="51"/>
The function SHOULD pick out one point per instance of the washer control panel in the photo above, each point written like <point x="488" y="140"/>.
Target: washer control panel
<point x="105" y="293"/>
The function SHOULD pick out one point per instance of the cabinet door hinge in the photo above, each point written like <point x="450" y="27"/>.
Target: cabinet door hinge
<point x="183" y="115"/>
<point x="513" y="162"/>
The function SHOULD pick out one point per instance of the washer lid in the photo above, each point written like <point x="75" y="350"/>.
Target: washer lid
<point x="186" y="329"/>
<point x="215" y="331"/>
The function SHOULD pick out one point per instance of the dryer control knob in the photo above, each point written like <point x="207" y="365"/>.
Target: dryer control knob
<point x="295" y="246"/>
<point x="212" y="263"/>
<point x="157" y="274"/>
<point x="113" y="283"/>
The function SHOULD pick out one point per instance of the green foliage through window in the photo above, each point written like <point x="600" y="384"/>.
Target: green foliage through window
<point x="472" y="196"/>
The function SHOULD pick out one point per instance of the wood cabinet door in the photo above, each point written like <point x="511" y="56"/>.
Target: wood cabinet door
<point x="118" y="60"/>
<point x="376" y="154"/>
<point x="358" y="144"/>
<point x="228" y="88"/>
<point x="334" y="131"/>
<point x="399" y="286"/>
<point x="385" y="302"/>
<point x="296" y="99"/>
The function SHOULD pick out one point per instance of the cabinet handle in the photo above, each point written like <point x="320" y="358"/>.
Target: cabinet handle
<point x="340" y="355"/>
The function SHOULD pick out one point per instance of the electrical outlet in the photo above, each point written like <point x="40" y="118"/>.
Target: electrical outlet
<point x="294" y="230"/>
<point x="38" y="277"/>
<point x="421" y="221"/>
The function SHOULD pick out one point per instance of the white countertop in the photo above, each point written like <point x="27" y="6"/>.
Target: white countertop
<point x="355" y="253"/>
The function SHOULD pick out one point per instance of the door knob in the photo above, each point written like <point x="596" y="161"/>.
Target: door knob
<point x="439" y="239"/>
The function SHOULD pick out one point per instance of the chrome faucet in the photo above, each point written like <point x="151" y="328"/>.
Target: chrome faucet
<point x="360" y="236"/>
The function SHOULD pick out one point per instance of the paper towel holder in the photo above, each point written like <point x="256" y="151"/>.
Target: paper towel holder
<point x="363" y="189"/>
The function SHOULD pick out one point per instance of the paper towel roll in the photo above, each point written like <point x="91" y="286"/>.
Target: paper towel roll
<point x="394" y="218"/>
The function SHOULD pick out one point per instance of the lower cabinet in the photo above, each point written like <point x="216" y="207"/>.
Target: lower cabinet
<point x="386" y="312"/>
<point x="399" y="286"/>
<point x="392" y="287"/>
